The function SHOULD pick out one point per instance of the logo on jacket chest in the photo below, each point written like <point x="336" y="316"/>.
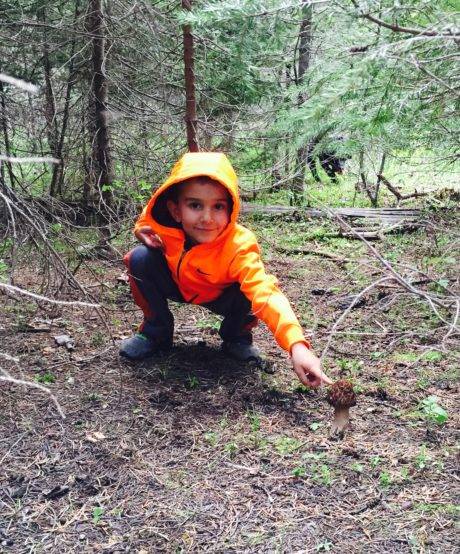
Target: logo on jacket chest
<point x="201" y="272"/>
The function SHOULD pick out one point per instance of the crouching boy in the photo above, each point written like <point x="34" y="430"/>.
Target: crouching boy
<point x="194" y="251"/>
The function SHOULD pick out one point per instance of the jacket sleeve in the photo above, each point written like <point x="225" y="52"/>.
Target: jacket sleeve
<point x="268" y="303"/>
<point x="144" y="220"/>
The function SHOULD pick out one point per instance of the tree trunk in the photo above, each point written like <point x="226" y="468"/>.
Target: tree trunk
<point x="190" y="101"/>
<point x="6" y="140"/>
<point x="304" y="48"/>
<point x="101" y="159"/>
<point x="50" y="104"/>
<point x="379" y="180"/>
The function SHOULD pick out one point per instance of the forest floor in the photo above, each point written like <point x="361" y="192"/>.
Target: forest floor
<point x="193" y="452"/>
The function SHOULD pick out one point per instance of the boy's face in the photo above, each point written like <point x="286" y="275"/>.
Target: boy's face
<point x="203" y="209"/>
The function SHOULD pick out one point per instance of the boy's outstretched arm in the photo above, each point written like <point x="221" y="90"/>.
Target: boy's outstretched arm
<point x="307" y="366"/>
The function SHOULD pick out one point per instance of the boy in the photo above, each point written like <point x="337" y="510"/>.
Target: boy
<point x="193" y="250"/>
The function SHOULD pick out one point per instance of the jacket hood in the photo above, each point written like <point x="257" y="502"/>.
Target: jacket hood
<point x="215" y="165"/>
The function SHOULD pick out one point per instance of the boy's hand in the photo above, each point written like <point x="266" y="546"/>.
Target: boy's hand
<point x="149" y="238"/>
<point x="307" y="366"/>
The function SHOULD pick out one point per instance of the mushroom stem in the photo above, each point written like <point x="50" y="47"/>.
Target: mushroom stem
<point x="340" y="422"/>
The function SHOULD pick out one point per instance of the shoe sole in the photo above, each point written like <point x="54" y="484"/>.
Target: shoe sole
<point x="158" y="351"/>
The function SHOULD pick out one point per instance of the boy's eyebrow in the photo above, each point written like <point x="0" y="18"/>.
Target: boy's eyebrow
<point x="201" y="199"/>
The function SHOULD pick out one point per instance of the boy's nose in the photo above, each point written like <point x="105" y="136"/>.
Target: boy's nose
<point x="206" y="215"/>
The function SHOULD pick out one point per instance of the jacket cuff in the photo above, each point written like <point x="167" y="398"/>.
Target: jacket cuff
<point x="291" y="336"/>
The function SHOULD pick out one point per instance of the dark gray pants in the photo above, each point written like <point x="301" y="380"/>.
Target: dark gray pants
<point x="152" y="286"/>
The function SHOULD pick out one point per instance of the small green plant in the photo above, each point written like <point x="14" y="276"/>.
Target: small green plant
<point x="350" y="367"/>
<point x="98" y="512"/>
<point x="423" y="383"/>
<point x="231" y="448"/>
<point x="325" y="546"/>
<point x="254" y="420"/>
<point x="3" y="268"/>
<point x="405" y="357"/>
<point x="258" y="441"/>
<point x="45" y="378"/>
<point x="432" y="411"/>
<point x="357" y="467"/>
<point x="5" y="245"/>
<point x="322" y="474"/>
<point x="375" y="461"/>
<point x="210" y="322"/>
<point x="309" y="456"/>
<point x="405" y="474"/>
<point x="433" y="507"/>
<point x="94" y="397"/>
<point x="211" y="437"/>
<point x="192" y="382"/>
<point x="421" y="460"/>
<point x="56" y="228"/>
<point x="299" y="471"/>
<point x="302" y="389"/>
<point x="287" y="445"/>
<point x="439" y="286"/>
<point x="385" y="479"/>
<point x="432" y="356"/>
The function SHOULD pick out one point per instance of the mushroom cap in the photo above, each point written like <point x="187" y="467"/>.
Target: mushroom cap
<point x="341" y="394"/>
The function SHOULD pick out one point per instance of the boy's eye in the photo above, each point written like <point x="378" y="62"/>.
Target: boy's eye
<point x="195" y="205"/>
<point x="221" y="207"/>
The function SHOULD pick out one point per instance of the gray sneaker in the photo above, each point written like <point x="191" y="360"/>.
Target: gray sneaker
<point x="249" y="353"/>
<point x="242" y="351"/>
<point x="140" y="347"/>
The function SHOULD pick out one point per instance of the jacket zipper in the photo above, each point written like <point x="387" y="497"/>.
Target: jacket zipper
<point x="180" y="263"/>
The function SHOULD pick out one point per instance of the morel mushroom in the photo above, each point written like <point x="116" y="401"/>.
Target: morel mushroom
<point x="342" y="397"/>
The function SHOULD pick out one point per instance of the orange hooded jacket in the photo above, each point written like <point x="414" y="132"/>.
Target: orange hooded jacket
<point x="205" y="270"/>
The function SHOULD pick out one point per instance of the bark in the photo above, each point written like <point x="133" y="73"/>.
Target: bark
<point x="304" y="48"/>
<point x="379" y="178"/>
<point x="6" y="140"/>
<point x="101" y="158"/>
<point x="50" y="104"/>
<point x="190" y="100"/>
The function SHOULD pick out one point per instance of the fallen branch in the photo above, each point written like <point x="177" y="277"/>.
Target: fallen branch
<point x="18" y="83"/>
<point x="337" y="259"/>
<point x="396" y="192"/>
<point x="30" y="159"/>
<point x="380" y="233"/>
<point x="46" y="299"/>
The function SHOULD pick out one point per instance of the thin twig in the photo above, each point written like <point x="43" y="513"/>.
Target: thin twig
<point x="8" y="379"/>
<point x="347" y="311"/>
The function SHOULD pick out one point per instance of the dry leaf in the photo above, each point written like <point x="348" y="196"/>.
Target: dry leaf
<point x="95" y="436"/>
